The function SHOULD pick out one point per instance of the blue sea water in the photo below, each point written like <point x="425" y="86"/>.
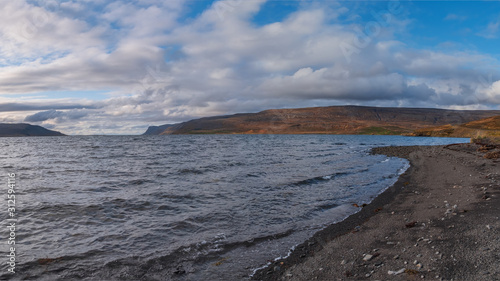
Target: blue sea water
<point x="207" y="207"/>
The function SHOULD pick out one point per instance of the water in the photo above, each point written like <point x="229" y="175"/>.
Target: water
<point x="211" y="207"/>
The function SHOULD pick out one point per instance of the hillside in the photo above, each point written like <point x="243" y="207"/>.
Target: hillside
<point x="25" y="130"/>
<point x="326" y="120"/>
<point x="488" y="127"/>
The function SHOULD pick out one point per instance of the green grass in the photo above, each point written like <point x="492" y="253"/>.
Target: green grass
<point x="380" y="131"/>
<point x="209" y="132"/>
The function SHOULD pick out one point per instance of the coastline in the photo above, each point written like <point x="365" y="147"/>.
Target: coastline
<point x="439" y="221"/>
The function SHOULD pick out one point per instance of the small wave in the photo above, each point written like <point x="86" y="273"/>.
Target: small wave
<point x="175" y="197"/>
<point x="102" y="189"/>
<point x="166" y="207"/>
<point x="327" y="206"/>
<point x="139" y="181"/>
<point x="317" y="180"/>
<point x="41" y="190"/>
<point x="91" y="146"/>
<point x="326" y="155"/>
<point x="275" y="259"/>
<point x="54" y="260"/>
<point x="190" y="171"/>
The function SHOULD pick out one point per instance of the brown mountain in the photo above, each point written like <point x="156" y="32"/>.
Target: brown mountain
<point x="326" y="120"/>
<point x="25" y="130"/>
<point x="488" y="127"/>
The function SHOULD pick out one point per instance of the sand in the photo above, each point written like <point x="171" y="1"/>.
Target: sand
<point x="440" y="221"/>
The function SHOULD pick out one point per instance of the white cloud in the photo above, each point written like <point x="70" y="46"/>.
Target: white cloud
<point x="492" y="31"/>
<point x="455" y="17"/>
<point x="492" y="93"/>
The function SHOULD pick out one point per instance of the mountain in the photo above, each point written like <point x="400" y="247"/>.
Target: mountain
<point x="488" y="127"/>
<point x="25" y="130"/>
<point x="326" y="120"/>
<point x="157" y="130"/>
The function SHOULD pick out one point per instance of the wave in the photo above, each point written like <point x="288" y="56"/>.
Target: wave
<point x="317" y="180"/>
<point x="184" y="259"/>
<point x="191" y="171"/>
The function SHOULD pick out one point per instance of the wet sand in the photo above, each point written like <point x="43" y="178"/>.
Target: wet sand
<point x="440" y="221"/>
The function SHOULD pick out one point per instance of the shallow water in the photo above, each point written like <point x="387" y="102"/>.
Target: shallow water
<point x="211" y="207"/>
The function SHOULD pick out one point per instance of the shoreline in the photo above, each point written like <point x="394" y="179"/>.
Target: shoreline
<point x="439" y="221"/>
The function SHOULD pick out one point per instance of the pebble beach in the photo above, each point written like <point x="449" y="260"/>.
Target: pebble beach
<point x="440" y="221"/>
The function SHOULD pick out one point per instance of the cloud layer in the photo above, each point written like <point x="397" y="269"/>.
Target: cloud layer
<point x="159" y="62"/>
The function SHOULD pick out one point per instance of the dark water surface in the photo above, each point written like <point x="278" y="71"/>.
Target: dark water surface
<point x="211" y="207"/>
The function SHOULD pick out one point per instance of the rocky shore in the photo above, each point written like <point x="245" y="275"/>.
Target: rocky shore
<point x="440" y="221"/>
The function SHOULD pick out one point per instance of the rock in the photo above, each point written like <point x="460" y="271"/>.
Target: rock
<point x="368" y="257"/>
<point x="179" y="270"/>
<point x="411" y="224"/>
<point x="397" y="272"/>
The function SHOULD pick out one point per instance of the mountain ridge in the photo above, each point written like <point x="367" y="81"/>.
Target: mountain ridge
<point x="26" y="130"/>
<point x="326" y="120"/>
<point x="488" y="127"/>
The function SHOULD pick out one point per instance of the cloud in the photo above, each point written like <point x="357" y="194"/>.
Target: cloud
<point x="160" y="66"/>
<point x="44" y="116"/>
<point x="54" y="114"/>
<point x="491" y="31"/>
<point x="41" y="105"/>
<point x="455" y="17"/>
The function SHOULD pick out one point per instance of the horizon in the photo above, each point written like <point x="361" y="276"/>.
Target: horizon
<point x="243" y="113"/>
<point x="99" y="68"/>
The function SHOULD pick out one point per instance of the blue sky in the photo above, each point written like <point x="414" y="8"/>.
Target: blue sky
<point x="116" y="67"/>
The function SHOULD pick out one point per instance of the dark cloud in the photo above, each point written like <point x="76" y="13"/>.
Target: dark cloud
<point x="9" y="107"/>
<point x="54" y="114"/>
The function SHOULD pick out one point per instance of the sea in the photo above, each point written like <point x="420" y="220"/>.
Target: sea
<point x="179" y="207"/>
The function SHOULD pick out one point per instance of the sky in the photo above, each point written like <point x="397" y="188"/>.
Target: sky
<point x="116" y="67"/>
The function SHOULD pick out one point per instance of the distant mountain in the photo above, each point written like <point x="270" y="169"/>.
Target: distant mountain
<point x="488" y="127"/>
<point x="25" y="130"/>
<point x="326" y="120"/>
<point x="157" y="130"/>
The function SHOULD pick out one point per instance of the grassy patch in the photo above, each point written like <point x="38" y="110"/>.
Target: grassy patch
<point x="380" y="131"/>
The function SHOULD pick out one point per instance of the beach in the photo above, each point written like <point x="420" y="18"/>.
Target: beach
<point x="440" y="221"/>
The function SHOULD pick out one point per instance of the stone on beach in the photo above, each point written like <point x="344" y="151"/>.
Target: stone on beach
<point x="397" y="272"/>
